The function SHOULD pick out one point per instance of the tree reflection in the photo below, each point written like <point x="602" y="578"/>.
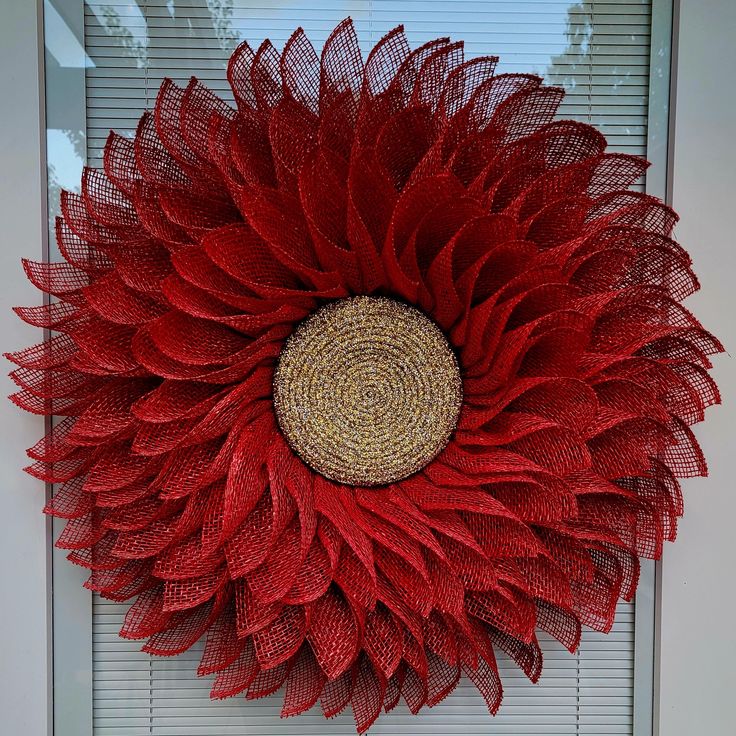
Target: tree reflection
<point x="597" y="75"/>
<point x="574" y="62"/>
<point x="176" y="40"/>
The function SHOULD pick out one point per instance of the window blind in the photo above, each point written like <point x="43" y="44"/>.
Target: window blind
<point x="599" y="51"/>
<point x="583" y="694"/>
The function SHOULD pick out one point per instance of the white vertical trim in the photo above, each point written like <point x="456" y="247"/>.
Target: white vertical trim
<point x="25" y="617"/>
<point x="697" y="639"/>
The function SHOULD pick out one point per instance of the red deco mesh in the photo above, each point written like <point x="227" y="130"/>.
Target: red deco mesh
<point x="190" y="257"/>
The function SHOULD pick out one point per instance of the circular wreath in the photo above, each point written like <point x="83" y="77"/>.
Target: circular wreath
<point x="449" y="195"/>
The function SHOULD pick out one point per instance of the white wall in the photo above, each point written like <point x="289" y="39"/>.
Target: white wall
<point x="698" y="626"/>
<point x="24" y="618"/>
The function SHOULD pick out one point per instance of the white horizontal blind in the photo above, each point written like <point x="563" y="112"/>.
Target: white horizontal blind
<point x="588" y="693"/>
<point x="133" y="46"/>
<point x="181" y="38"/>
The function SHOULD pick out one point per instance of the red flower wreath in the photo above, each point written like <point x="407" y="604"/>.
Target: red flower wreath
<point x="418" y="176"/>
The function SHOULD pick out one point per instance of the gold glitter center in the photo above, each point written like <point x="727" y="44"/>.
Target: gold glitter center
<point x="367" y="391"/>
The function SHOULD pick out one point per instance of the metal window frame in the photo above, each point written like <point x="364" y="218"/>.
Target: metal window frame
<point x="71" y="656"/>
<point x="65" y="94"/>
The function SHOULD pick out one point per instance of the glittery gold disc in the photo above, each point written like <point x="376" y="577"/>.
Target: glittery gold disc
<point x="367" y="391"/>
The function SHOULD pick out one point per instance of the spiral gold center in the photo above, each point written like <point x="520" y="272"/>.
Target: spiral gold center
<point x="367" y="391"/>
